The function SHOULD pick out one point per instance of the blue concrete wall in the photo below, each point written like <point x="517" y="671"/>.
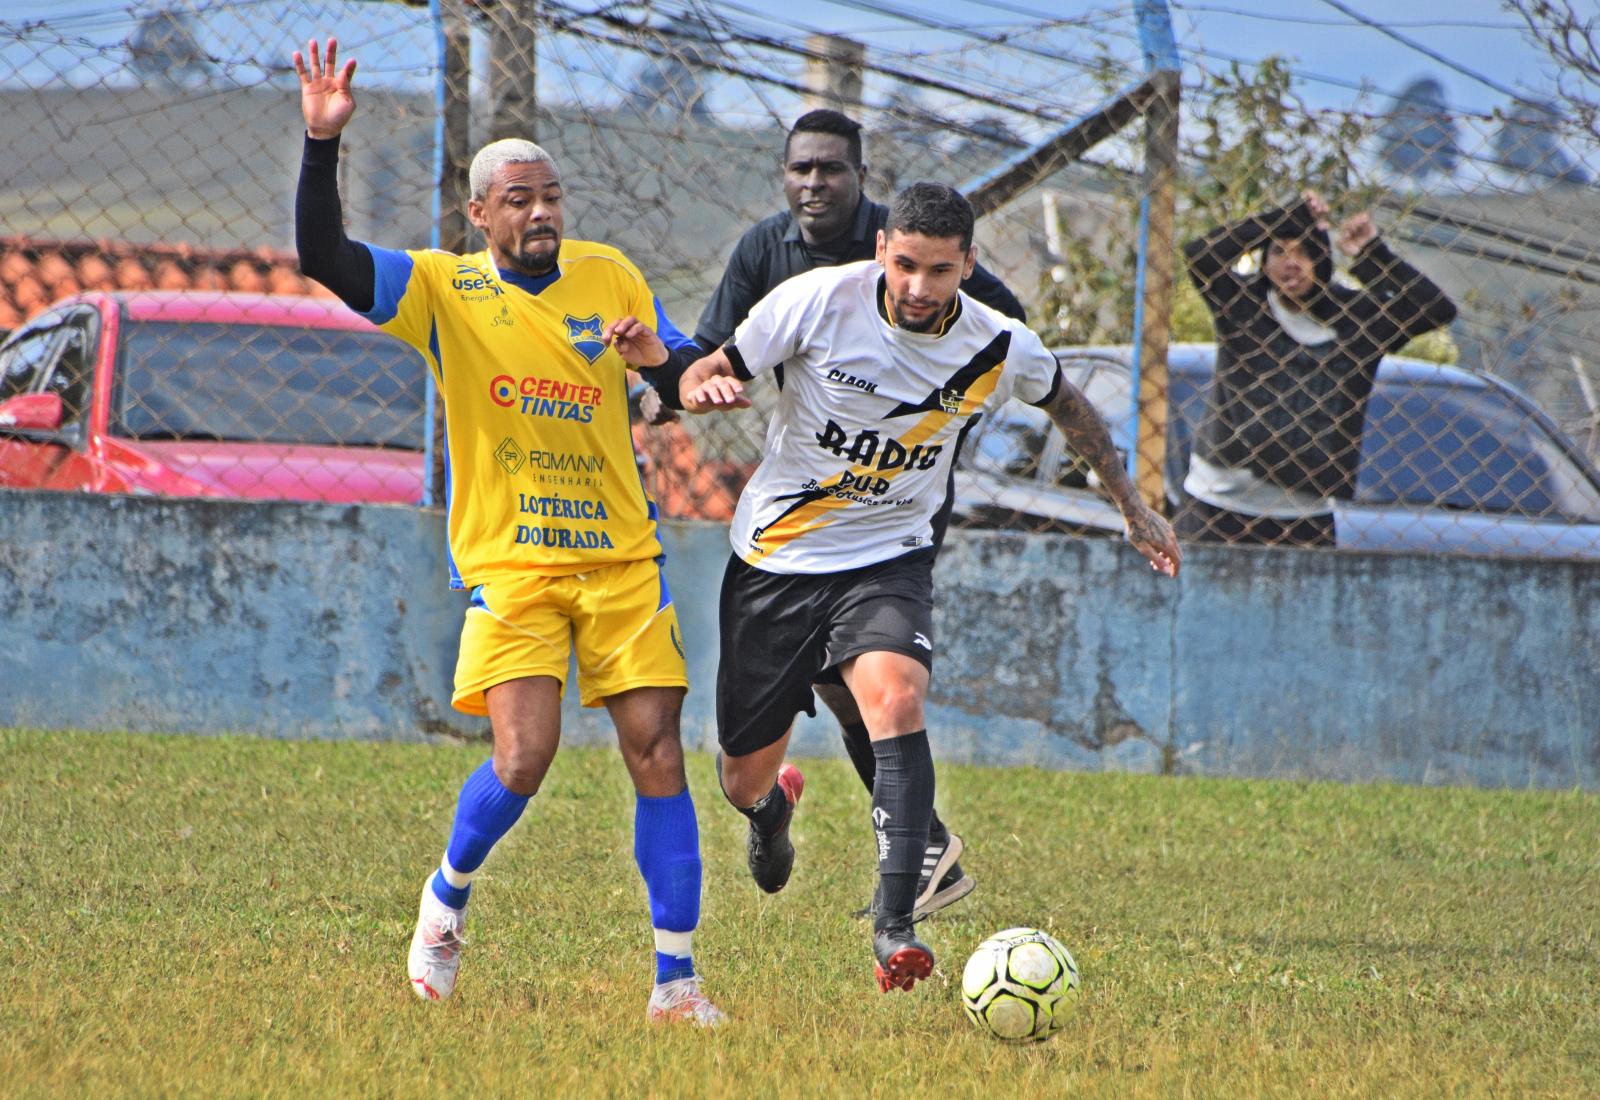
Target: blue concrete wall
<point x="332" y="621"/>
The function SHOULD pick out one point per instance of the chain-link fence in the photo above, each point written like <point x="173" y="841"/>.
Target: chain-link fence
<point x="1403" y="359"/>
<point x="164" y="144"/>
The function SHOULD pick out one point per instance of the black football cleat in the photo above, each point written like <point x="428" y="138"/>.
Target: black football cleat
<point x="902" y="959"/>
<point x="771" y="855"/>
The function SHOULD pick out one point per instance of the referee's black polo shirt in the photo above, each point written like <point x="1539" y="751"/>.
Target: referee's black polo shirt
<point x="772" y="251"/>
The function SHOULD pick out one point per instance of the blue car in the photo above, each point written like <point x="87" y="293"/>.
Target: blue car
<point x="1451" y="462"/>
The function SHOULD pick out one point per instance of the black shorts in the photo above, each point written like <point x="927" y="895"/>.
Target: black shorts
<point x="782" y="632"/>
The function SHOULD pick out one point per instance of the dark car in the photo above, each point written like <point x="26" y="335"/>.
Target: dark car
<point x="1451" y="461"/>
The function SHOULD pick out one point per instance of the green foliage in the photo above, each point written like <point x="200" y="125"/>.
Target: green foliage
<point x="1258" y="147"/>
<point x="1254" y="146"/>
<point x="224" y="917"/>
<point x="1436" y="347"/>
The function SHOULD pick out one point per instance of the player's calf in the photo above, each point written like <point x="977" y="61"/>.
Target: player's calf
<point x="769" y="852"/>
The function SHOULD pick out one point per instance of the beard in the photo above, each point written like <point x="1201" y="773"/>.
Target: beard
<point x="924" y="324"/>
<point x="536" y="264"/>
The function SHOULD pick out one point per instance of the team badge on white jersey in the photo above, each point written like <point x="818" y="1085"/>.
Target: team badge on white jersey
<point x="870" y="417"/>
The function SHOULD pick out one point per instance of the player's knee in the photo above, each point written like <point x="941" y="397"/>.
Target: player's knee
<point x="894" y="708"/>
<point x="837" y="698"/>
<point x="659" y="754"/>
<point x="743" y="786"/>
<point x="521" y="768"/>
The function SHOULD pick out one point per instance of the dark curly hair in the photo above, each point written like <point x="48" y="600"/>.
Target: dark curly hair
<point x="824" y="121"/>
<point x="933" y="210"/>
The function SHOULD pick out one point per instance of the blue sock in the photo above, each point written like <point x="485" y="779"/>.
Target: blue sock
<point x="666" y="845"/>
<point x="485" y="812"/>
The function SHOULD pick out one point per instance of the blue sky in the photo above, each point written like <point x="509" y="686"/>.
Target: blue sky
<point x="1335" y="55"/>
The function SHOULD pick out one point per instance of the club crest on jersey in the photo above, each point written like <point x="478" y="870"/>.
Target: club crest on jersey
<point x="583" y="333"/>
<point x="950" y="400"/>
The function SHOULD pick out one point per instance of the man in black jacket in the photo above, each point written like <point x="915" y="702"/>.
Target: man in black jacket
<point x="1297" y="356"/>
<point x="829" y="222"/>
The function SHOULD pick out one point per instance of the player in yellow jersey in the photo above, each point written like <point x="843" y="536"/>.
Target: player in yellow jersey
<point x="550" y="528"/>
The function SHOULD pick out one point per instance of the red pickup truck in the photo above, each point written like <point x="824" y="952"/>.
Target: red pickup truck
<point x="211" y="394"/>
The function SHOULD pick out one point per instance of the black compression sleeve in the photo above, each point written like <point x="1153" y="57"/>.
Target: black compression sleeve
<point x="665" y="378"/>
<point x="326" y="254"/>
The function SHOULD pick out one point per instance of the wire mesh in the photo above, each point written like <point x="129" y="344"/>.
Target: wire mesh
<point x="1430" y="389"/>
<point x="164" y="145"/>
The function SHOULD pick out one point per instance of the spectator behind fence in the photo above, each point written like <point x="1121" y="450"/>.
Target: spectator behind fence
<point x="829" y="222"/>
<point x="1296" y="358"/>
<point x="131" y="275"/>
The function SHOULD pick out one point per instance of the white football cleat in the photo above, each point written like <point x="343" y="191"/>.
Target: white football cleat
<point x="435" y="947"/>
<point x="683" y="1000"/>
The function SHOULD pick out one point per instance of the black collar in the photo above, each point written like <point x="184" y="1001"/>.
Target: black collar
<point x="937" y="331"/>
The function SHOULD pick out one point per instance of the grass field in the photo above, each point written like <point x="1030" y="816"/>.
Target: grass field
<point x="229" y="917"/>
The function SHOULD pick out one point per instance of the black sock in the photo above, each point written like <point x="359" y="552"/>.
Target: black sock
<point x="859" y="745"/>
<point x="902" y="806"/>
<point x="767" y="814"/>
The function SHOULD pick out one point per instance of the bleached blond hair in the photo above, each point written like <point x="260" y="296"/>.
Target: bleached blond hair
<point x="499" y="153"/>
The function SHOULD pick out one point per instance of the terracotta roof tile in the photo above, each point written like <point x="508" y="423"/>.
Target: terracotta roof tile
<point x="94" y="273"/>
<point x="35" y="272"/>
<point x="53" y="268"/>
<point x="131" y="275"/>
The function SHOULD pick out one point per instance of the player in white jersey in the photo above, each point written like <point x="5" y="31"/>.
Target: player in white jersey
<point x="886" y="365"/>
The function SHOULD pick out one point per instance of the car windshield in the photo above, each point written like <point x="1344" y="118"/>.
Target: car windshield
<point x="256" y="383"/>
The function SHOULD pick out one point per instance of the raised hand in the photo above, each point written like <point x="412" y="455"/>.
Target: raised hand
<point x="653" y="410"/>
<point x="325" y="97"/>
<point x="1317" y="205"/>
<point x="1356" y="232"/>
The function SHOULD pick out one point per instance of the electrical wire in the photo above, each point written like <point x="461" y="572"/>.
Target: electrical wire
<point x="1426" y="51"/>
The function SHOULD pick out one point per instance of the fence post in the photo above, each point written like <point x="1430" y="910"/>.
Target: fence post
<point x="513" y="69"/>
<point x="1160" y="173"/>
<point x="456" y="115"/>
<point x="450" y="213"/>
<point x="833" y="72"/>
<point x="1152" y="323"/>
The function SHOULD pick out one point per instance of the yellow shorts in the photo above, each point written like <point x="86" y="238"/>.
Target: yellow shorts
<point x="619" y="616"/>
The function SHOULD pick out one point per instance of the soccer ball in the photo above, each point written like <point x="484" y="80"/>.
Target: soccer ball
<point x="1019" y="985"/>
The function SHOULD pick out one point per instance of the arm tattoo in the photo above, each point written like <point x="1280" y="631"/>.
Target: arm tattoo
<point x="1146" y="528"/>
<point x="1087" y="433"/>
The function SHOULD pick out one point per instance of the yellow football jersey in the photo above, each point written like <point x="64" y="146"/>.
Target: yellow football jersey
<point x="542" y="471"/>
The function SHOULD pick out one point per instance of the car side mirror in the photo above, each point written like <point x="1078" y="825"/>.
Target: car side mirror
<point x="32" y="412"/>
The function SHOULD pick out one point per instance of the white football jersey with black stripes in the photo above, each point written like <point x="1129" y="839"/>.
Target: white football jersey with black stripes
<point x="870" y="418"/>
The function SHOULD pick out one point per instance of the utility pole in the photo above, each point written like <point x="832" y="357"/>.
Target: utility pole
<point x="513" y="69"/>
<point x="833" y="72"/>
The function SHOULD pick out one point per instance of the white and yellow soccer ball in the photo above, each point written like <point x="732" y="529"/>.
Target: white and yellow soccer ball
<point x="1019" y="985"/>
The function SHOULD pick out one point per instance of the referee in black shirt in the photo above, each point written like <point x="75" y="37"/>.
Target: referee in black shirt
<point x="829" y="222"/>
